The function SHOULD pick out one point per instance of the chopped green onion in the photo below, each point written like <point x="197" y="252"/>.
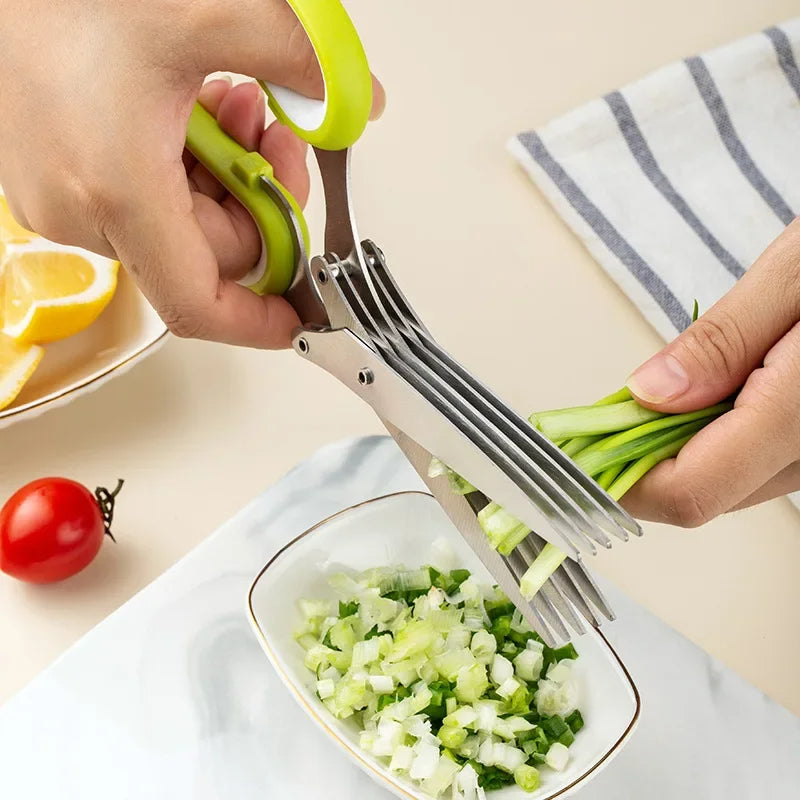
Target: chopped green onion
<point x="557" y="757"/>
<point x="500" y="607"/>
<point x="501" y="628"/>
<point x="554" y="727"/>
<point x="457" y="577"/>
<point x="483" y="646"/>
<point x="527" y="778"/>
<point x="575" y="721"/>
<point x="471" y="683"/>
<point x="348" y="609"/>
<point x="449" y="688"/>
<point x="568" y="651"/>
<point x="539" y="572"/>
<point x="413" y="580"/>
<point x="452" y="738"/>
<point x="499" y="525"/>
<point x="458" y="484"/>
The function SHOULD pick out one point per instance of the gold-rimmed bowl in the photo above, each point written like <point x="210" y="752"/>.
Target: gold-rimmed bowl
<point x="399" y="529"/>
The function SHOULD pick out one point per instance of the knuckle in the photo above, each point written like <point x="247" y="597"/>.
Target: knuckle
<point x="765" y="389"/>
<point x="101" y="214"/>
<point x="781" y="262"/>
<point x="73" y="213"/>
<point x="182" y="322"/>
<point x="717" y="345"/>
<point x="690" y="507"/>
<point x="771" y="401"/>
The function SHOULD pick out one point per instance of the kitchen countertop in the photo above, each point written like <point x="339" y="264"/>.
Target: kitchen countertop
<point x="176" y="695"/>
<point x="199" y="429"/>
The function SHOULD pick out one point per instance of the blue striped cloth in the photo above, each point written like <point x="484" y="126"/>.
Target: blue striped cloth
<point x="677" y="182"/>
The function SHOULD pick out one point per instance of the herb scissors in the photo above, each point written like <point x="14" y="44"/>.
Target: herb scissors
<point x="359" y="327"/>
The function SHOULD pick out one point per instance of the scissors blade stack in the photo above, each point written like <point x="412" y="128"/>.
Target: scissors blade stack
<point x="385" y="354"/>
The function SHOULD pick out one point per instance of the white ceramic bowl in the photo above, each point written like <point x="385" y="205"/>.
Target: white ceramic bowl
<point x="399" y="529"/>
<point x="127" y="331"/>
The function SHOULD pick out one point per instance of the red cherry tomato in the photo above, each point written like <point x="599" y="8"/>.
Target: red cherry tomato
<point x="53" y="528"/>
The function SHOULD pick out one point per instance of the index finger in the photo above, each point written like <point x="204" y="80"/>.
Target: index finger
<point x="164" y="247"/>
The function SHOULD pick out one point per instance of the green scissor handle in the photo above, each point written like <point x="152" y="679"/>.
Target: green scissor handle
<point x="334" y="123"/>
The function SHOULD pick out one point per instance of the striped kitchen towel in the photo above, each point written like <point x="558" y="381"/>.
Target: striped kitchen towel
<point x="677" y="182"/>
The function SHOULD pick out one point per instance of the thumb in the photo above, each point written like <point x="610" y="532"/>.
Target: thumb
<point x="263" y="39"/>
<point x="714" y="356"/>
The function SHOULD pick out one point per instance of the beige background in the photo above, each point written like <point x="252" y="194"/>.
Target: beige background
<point x="199" y="429"/>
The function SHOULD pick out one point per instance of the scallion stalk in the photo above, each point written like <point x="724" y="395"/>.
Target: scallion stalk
<point x="639" y="468"/>
<point x="567" y="423"/>
<point x="513" y="539"/>
<point x="595" y="462"/>
<point x="637" y="442"/>
<point x="574" y="446"/>
<point x="620" y="396"/>
<point x="616" y="441"/>
<point x="608" y="476"/>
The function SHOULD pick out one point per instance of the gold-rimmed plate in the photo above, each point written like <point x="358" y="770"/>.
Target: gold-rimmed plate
<point x="399" y="529"/>
<point x="127" y="331"/>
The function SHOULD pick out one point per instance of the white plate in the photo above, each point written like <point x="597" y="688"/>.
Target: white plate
<point x="127" y="331"/>
<point x="399" y="529"/>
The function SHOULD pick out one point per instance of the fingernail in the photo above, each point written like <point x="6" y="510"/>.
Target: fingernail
<point x="660" y="379"/>
<point x="208" y="89"/>
<point x="221" y="78"/>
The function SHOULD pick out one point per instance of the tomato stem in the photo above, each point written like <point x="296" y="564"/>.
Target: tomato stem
<point x="106" y="500"/>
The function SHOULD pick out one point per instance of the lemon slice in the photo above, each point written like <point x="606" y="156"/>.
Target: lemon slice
<point x="11" y="232"/>
<point x="50" y="294"/>
<point x="17" y="363"/>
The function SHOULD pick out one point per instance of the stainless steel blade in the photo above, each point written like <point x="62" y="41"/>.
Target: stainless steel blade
<point x="572" y="578"/>
<point x="603" y="510"/>
<point x="370" y="306"/>
<point x="393" y="398"/>
<point x="463" y="518"/>
<point x="509" y="432"/>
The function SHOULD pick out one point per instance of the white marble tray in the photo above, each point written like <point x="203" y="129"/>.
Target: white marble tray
<point x="172" y="697"/>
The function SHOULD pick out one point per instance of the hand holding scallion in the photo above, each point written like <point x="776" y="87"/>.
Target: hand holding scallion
<point x="709" y="425"/>
<point x="747" y="346"/>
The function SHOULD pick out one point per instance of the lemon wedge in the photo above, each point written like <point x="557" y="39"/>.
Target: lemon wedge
<point x="49" y="292"/>
<point x="17" y="363"/>
<point x="11" y="232"/>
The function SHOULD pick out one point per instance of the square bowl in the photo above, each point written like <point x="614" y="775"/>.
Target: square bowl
<point x="399" y="529"/>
